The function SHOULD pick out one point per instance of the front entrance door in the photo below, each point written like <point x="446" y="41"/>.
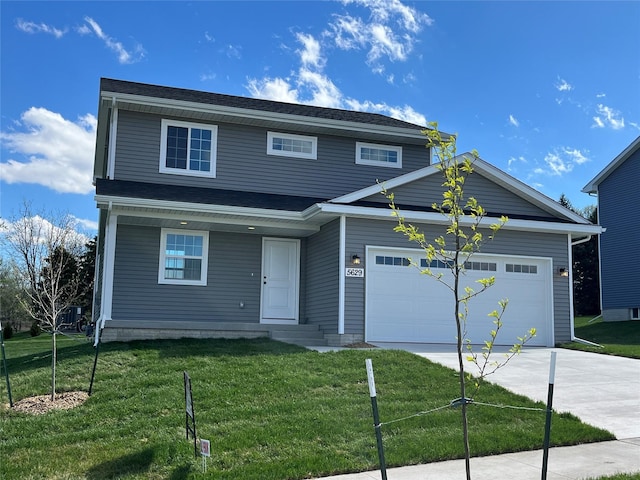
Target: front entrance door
<point x="280" y="279"/>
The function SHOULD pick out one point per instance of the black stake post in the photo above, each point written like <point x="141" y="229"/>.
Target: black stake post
<point x="376" y="418"/>
<point x="547" y="427"/>
<point x="95" y="364"/>
<point x="190" y="416"/>
<point x="5" y="366"/>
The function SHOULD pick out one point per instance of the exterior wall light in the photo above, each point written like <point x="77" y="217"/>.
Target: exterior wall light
<point x="563" y="272"/>
<point x="355" y="259"/>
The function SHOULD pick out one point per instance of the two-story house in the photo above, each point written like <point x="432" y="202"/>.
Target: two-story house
<point x="616" y="187"/>
<point x="237" y="217"/>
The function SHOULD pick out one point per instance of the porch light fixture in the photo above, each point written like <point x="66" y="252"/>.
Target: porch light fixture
<point x="563" y="272"/>
<point x="355" y="259"/>
<point x="183" y="223"/>
<point x="251" y="228"/>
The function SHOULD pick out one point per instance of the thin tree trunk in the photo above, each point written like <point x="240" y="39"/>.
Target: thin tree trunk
<point x="53" y="365"/>
<point x="463" y="390"/>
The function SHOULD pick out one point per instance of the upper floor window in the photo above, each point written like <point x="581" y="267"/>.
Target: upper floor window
<point x="379" y="155"/>
<point x="188" y="148"/>
<point x="183" y="257"/>
<point x="289" y="145"/>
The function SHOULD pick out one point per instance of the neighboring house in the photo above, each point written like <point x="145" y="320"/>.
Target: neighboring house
<point x="225" y="216"/>
<point x="617" y="189"/>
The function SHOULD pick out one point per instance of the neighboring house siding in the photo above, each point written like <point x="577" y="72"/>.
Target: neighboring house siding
<point x="233" y="277"/>
<point x="492" y="197"/>
<point x="243" y="164"/>
<point x="361" y="232"/>
<point x="619" y="244"/>
<point x="322" y="261"/>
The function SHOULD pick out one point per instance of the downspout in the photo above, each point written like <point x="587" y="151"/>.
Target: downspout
<point x="101" y="320"/>
<point x="341" y="276"/>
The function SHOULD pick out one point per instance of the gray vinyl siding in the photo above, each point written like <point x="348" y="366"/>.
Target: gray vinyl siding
<point x="619" y="244"/>
<point x="233" y="277"/>
<point x="361" y="232"/>
<point x="494" y="198"/>
<point x="243" y="164"/>
<point x="322" y="277"/>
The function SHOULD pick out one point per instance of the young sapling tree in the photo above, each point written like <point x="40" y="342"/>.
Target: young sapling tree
<point x="466" y="224"/>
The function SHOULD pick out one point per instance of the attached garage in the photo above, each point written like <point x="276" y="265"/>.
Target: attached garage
<point x="403" y="305"/>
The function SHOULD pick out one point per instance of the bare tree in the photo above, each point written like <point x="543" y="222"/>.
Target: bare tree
<point x="45" y="251"/>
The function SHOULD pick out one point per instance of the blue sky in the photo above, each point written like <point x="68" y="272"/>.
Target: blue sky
<point x="547" y="91"/>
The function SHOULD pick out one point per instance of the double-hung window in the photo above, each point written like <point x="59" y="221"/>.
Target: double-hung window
<point x="289" y="145"/>
<point x="378" y="155"/>
<point x="183" y="257"/>
<point x="188" y="148"/>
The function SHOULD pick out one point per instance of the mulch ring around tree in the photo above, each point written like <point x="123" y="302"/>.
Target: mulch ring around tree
<point x="42" y="404"/>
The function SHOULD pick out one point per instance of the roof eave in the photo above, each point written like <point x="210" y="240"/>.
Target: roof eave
<point x="264" y="115"/>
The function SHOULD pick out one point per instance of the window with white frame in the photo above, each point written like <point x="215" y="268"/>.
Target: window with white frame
<point x="289" y="145"/>
<point x="379" y="155"/>
<point x="188" y="148"/>
<point x="183" y="257"/>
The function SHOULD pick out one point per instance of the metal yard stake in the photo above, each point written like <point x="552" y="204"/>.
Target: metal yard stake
<point x="5" y="366"/>
<point x="547" y="427"/>
<point x="376" y="418"/>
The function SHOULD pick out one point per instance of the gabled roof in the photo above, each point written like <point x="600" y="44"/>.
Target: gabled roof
<point x="592" y="186"/>
<point x="485" y="169"/>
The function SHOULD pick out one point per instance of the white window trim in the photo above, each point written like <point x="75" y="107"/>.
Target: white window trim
<point x="393" y="148"/>
<point x="205" y="257"/>
<point x="283" y="153"/>
<point x="179" y="171"/>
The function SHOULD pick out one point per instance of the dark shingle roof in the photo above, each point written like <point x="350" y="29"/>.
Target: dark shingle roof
<point x="181" y="94"/>
<point x="207" y="196"/>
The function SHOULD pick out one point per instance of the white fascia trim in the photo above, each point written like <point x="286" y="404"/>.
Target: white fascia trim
<point x="527" y="192"/>
<point x="342" y="279"/>
<point x="388" y="184"/>
<point x="489" y="171"/>
<point x="592" y="186"/>
<point x="197" y="207"/>
<point x="113" y="132"/>
<point x="267" y="115"/>
<point x="439" y="219"/>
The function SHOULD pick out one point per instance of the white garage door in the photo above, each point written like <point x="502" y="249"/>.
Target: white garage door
<point x="403" y="305"/>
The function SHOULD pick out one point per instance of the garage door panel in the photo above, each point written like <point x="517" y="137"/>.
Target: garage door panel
<point x="405" y="306"/>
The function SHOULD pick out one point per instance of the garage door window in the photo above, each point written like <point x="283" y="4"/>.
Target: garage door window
<point x="519" y="268"/>
<point x="481" y="266"/>
<point x="393" y="261"/>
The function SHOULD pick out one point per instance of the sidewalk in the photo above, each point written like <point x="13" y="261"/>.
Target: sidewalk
<point x="565" y="463"/>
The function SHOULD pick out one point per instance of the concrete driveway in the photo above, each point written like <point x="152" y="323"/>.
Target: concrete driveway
<point x="602" y="390"/>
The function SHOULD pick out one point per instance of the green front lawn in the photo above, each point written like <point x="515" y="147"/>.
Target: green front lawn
<point x="271" y="411"/>
<point x="615" y="338"/>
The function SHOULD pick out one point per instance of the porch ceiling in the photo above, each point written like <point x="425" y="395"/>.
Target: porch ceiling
<point x="232" y="222"/>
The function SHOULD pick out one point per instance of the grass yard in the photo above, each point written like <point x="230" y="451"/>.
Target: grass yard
<point x="616" y="338"/>
<point x="271" y="411"/>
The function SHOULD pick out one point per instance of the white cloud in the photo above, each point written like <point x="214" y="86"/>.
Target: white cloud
<point x="204" y="77"/>
<point x="55" y="152"/>
<point x="601" y="95"/>
<point x="124" y="56"/>
<point x="561" y="161"/>
<point x="310" y="85"/>
<point x="563" y="86"/>
<point x="310" y="55"/>
<point x="514" y="160"/>
<point x="59" y="228"/>
<point x="513" y="121"/>
<point x="232" y="51"/>
<point x="390" y="31"/>
<point x="608" y="117"/>
<point x="32" y="27"/>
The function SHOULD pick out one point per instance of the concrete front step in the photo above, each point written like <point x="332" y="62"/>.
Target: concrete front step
<point x="304" y="335"/>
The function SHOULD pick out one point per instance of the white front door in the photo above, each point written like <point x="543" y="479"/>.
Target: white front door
<point x="280" y="279"/>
